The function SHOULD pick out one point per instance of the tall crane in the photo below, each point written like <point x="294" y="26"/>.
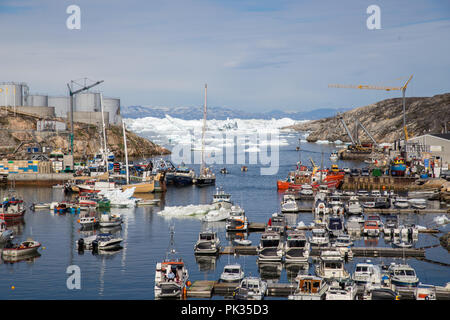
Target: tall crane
<point x="402" y="88"/>
<point x="72" y="93"/>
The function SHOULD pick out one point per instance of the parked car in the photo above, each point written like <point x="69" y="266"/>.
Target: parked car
<point x="365" y="172"/>
<point x="346" y="170"/>
<point x="445" y="174"/>
<point x="354" y="172"/>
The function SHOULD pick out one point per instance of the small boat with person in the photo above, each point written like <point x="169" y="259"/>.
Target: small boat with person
<point x="27" y="247"/>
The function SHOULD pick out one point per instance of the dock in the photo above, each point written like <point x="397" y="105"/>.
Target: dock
<point x="357" y="251"/>
<point x="208" y="288"/>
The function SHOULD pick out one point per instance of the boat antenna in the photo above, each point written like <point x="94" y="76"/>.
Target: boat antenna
<point x="171" y="248"/>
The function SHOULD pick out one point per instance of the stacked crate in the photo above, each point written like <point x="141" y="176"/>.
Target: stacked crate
<point x="19" y="166"/>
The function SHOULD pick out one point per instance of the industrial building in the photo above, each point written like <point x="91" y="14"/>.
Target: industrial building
<point x="435" y="146"/>
<point x="86" y="107"/>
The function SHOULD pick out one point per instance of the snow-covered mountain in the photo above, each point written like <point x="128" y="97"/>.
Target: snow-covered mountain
<point x="222" y="113"/>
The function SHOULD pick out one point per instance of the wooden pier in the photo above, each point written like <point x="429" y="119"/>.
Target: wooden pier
<point x="208" y="288"/>
<point x="357" y="251"/>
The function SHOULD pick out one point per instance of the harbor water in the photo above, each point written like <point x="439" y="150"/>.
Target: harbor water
<point x="129" y="272"/>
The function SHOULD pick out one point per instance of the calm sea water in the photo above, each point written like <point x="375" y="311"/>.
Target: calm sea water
<point x="129" y="273"/>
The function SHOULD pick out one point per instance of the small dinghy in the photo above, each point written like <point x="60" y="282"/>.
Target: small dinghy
<point x="242" y="242"/>
<point x="25" y="248"/>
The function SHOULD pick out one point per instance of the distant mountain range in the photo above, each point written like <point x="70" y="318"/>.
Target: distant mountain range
<point x="222" y="113"/>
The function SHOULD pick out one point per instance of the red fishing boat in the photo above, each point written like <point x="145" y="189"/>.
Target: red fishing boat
<point x="11" y="209"/>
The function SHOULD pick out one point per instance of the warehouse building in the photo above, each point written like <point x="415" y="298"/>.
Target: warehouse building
<point x="433" y="145"/>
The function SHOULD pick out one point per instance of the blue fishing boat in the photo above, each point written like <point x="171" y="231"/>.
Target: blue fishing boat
<point x="398" y="167"/>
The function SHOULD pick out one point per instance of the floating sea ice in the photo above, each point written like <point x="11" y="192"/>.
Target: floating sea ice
<point x="441" y="219"/>
<point x="190" y="211"/>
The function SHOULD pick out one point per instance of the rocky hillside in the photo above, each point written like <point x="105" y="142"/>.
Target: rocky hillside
<point x="384" y="120"/>
<point x="19" y="132"/>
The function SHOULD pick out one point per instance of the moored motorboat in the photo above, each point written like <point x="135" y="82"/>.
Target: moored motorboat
<point x="403" y="275"/>
<point x="12" y="208"/>
<point x="331" y="266"/>
<point x="171" y="276"/>
<point x="237" y="221"/>
<point x="297" y="247"/>
<point x="5" y="233"/>
<point x="289" y="204"/>
<point x="342" y="290"/>
<point x="232" y="273"/>
<point x="207" y="243"/>
<point x="251" y="288"/>
<point x="110" y="220"/>
<point x="309" y="288"/>
<point x="25" y="248"/>
<point x="270" y="247"/>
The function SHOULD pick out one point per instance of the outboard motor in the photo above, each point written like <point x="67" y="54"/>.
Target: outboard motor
<point x="80" y="244"/>
<point x="94" y="247"/>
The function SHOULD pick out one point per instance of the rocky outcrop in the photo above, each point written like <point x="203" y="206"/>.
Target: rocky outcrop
<point x="19" y="132"/>
<point x="384" y="120"/>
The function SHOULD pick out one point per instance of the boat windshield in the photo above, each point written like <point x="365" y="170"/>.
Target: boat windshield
<point x="406" y="272"/>
<point x="335" y="224"/>
<point x="270" y="243"/>
<point x="208" y="236"/>
<point x="362" y="269"/>
<point x="231" y="270"/>
<point x="333" y="265"/>
<point x="296" y="243"/>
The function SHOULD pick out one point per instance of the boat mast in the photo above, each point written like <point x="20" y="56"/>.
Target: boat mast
<point x="126" y="152"/>
<point x="202" y="167"/>
<point x="105" y="155"/>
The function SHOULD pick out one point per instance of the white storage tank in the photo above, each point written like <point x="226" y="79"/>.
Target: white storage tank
<point x="11" y="93"/>
<point x="112" y="106"/>
<point x="61" y="104"/>
<point x="87" y="101"/>
<point x="37" y="100"/>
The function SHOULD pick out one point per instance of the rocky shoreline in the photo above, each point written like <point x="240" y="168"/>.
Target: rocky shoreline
<point x="384" y="120"/>
<point x="19" y="132"/>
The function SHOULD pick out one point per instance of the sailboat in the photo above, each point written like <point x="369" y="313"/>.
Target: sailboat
<point x="149" y="183"/>
<point x="206" y="176"/>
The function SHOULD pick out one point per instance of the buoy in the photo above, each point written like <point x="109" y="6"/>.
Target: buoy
<point x="12" y="287"/>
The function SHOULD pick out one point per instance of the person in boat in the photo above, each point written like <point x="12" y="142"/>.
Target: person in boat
<point x="170" y="275"/>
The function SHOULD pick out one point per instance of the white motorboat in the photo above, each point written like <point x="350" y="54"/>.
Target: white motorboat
<point x="331" y="266"/>
<point x="251" y="288"/>
<point x="321" y="211"/>
<point x="375" y="193"/>
<point x="391" y="228"/>
<point x="242" y="242"/>
<point x="354" y="207"/>
<point x="337" y="206"/>
<point x="107" y="241"/>
<point x="372" y="228"/>
<point x="5" y="233"/>
<point x="369" y="204"/>
<point x="319" y="238"/>
<point x="270" y="247"/>
<point x="409" y="232"/>
<point x="278" y="223"/>
<point x="403" y="275"/>
<point x="309" y="288"/>
<point x="222" y="199"/>
<point x="88" y="221"/>
<point x="344" y="240"/>
<point x="171" y="276"/>
<point x="306" y="190"/>
<point x="289" y="204"/>
<point x="207" y="243"/>
<point x="334" y="156"/>
<point x="232" y="273"/>
<point x="237" y="221"/>
<point x="362" y="193"/>
<point x="27" y="247"/>
<point x="401" y="203"/>
<point x="367" y="275"/>
<point x="342" y="290"/>
<point x="217" y="215"/>
<point x="110" y="220"/>
<point x="418" y="203"/>
<point x="296" y="248"/>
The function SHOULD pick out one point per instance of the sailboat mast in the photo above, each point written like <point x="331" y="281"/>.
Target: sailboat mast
<point x="203" y="132"/>
<point x="126" y="152"/>
<point x="105" y="155"/>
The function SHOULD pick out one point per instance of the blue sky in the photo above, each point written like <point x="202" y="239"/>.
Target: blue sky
<point x="255" y="55"/>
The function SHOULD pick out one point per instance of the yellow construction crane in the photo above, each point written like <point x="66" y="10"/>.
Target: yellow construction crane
<point x="362" y="86"/>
